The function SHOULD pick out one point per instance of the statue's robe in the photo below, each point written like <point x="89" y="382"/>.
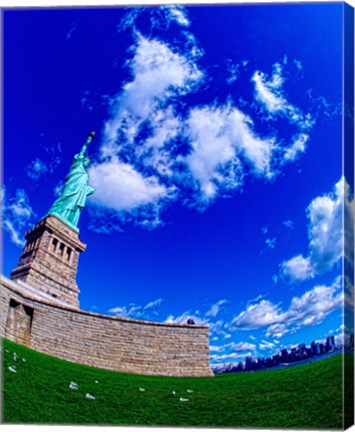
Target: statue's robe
<point x="73" y="197"/>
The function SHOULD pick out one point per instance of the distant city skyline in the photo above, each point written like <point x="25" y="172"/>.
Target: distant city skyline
<point x="291" y="357"/>
<point x="217" y="163"/>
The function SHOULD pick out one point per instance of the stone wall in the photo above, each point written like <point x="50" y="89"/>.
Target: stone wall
<point x="102" y="341"/>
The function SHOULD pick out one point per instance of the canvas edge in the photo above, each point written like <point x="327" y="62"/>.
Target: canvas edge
<point x="348" y="172"/>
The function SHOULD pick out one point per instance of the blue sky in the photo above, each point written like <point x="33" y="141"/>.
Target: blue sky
<point x="217" y="162"/>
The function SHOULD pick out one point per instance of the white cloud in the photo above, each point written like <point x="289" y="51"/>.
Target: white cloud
<point x="217" y="328"/>
<point x="15" y="235"/>
<point x="348" y="293"/>
<point x="231" y="351"/>
<point x="349" y="210"/>
<point x="309" y="309"/>
<point x="103" y="221"/>
<point x="298" y="64"/>
<point x="178" y="14"/>
<point x="276" y="330"/>
<point x="233" y="347"/>
<point x="231" y="356"/>
<point x="165" y="126"/>
<point x="16" y="215"/>
<point x="58" y="189"/>
<point x="296" y="269"/>
<point x="209" y="149"/>
<point x="266" y="345"/>
<point x="326" y="229"/>
<point x="234" y="70"/>
<point x="240" y="346"/>
<point x="216" y="308"/>
<point x="160" y="17"/>
<point x="20" y="207"/>
<point x="325" y="233"/>
<point x="153" y="304"/>
<point x="216" y="348"/>
<point x="271" y="243"/>
<point x="289" y="224"/>
<point x="220" y="328"/>
<point x="73" y="27"/>
<point x="312" y="307"/>
<point x="265" y="230"/>
<point x="86" y="101"/>
<point x="257" y="152"/>
<point x="221" y="136"/>
<point x="158" y="74"/>
<point x="185" y="316"/>
<point x="38" y="167"/>
<point x="258" y="315"/>
<point x="297" y="148"/>
<point x="118" y="186"/>
<point x="148" y="311"/>
<point x="269" y="92"/>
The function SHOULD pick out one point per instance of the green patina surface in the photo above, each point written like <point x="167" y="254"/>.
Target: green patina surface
<point x="76" y="189"/>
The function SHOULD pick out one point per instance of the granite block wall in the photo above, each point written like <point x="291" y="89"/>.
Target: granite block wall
<point x="102" y="341"/>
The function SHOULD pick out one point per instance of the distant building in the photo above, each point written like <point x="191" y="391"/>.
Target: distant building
<point x="284" y="356"/>
<point x="309" y="352"/>
<point x="302" y="347"/>
<point x="248" y="363"/>
<point x="261" y="363"/>
<point x="316" y="347"/>
<point x="268" y="362"/>
<point x="239" y="367"/>
<point x="330" y="343"/>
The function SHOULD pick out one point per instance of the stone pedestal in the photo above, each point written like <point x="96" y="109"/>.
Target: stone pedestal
<point x="49" y="261"/>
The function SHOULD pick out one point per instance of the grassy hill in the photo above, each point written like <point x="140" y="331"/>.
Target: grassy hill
<point x="308" y="396"/>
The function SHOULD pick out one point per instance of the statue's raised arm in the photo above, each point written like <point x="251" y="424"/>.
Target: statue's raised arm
<point x="76" y="188"/>
<point x="90" y="137"/>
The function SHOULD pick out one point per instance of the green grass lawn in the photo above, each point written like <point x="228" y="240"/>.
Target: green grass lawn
<point x="308" y="396"/>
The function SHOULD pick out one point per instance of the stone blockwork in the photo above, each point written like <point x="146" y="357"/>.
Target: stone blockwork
<point x="102" y="341"/>
<point x="49" y="260"/>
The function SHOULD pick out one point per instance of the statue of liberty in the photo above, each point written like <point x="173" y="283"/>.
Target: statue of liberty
<point x="72" y="199"/>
